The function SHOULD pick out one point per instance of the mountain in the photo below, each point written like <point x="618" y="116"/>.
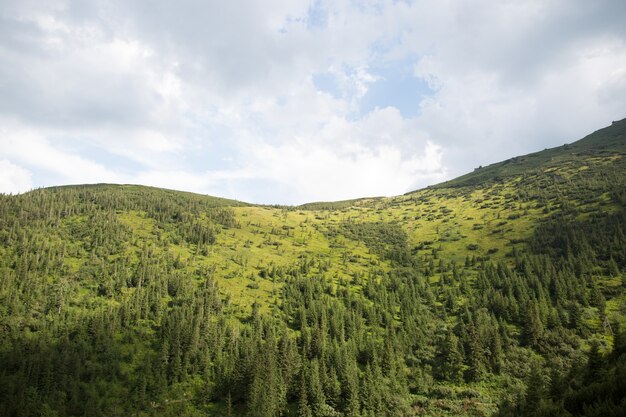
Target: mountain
<point x="499" y="292"/>
<point x="608" y="142"/>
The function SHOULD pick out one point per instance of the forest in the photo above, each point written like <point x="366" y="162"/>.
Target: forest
<point x="500" y="293"/>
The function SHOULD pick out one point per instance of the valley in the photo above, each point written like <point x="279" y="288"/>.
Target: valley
<point x="501" y="292"/>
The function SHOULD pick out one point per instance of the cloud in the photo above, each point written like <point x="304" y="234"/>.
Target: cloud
<point x="13" y="178"/>
<point x="286" y="101"/>
<point x="320" y="173"/>
<point x="517" y="77"/>
<point x="381" y="154"/>
<point x="76" y="78"/>
<point x="33" y="149"/>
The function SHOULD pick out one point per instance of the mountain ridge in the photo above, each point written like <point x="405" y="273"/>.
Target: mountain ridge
<point x="612" y="137"/>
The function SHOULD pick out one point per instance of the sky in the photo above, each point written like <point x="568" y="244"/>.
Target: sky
<point x="290" y="101"/>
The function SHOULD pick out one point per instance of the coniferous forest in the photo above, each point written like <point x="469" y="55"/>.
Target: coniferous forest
<point x="500" y="293"/>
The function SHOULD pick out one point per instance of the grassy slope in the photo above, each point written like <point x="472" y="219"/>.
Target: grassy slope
<point x="479" y="214"/>
<point x="483" y="214"/>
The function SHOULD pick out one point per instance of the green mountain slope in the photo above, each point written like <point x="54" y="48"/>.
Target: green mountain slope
<point x="499" y="292"/>
<point x="606" y="143"/>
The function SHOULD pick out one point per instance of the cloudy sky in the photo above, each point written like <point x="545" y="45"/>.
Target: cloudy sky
<point x="288" y="101"/>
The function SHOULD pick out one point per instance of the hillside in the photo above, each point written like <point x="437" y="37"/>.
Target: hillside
<point x="502" y="291"/>
<point x="604" y="143"/>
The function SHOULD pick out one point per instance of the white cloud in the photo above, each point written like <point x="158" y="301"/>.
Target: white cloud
<point x="381" y="154"/>
<point x="219" y="97"/>
<point x="13" y="178"/>
<point x="314" y="173"/>
<point x="516" y="77"/>
<point x="33" y="149"/>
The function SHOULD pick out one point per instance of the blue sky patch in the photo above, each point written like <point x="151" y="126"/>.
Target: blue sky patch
<point x="327" y="83"/>
<point x="396" y="86"/>
<point x="317" y="16"/>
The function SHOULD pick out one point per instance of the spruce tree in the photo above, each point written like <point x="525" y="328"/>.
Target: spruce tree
<point x="451" y="359"/>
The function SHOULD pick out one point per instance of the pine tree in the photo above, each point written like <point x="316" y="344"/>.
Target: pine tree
<point x="475" y="356"/>
<point x="304" y="410"/>
<point x="535" y="388"/>
<point x="267" y="392"/>
<point x="532" y="330"/>
<point x="451" y="359"/>
<point x="594" y="362"/>
<point x="350" y="382"/>
<point x="316" y="392"/>
<point x="229" y="406"/>
<point x="496" y="351"/>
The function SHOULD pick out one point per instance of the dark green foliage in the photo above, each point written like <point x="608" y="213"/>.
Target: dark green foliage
<point x="386" y="239"/>
<point x="451" y="359"/>
<point x="333" y="205"/>
<point x="596" y="389"/>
